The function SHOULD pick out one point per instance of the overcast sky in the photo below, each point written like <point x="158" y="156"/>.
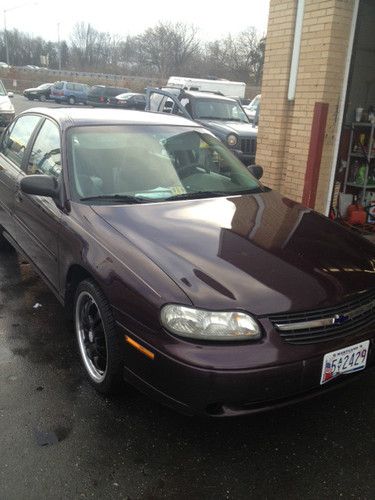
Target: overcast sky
<point x="213" y="18"/>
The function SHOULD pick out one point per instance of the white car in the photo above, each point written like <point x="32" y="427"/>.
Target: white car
<point x="252" y="109"/>
<point x="4" y="65"/>
<point x="6" y="107"/>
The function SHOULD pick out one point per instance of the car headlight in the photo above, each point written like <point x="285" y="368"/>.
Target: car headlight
<point x="209" y="325"/>
<point x="232" y="140"/>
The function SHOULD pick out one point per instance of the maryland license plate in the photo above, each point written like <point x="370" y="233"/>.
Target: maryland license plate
<point x="348" y="360"/>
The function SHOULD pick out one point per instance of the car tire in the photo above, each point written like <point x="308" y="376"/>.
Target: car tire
<point x="72" y="100"/>
<point x="99" y="343"/>
<point x="42" y="98"/>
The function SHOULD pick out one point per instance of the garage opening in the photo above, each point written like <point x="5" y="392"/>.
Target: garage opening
<point x="353" y="198"/>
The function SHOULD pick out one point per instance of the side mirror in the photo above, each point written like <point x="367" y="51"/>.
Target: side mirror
<point x="256" y="171"/>
<point x="40" y="185"/>
<point x="10" y="94"/>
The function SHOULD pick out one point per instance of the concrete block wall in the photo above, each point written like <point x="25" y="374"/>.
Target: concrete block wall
<point x="285" y="127"/>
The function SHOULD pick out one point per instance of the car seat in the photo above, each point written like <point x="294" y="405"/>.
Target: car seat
<point x="184" y="150"/>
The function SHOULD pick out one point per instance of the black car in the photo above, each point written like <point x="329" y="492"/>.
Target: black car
<point x="42" y="93"/>
<point x="99" y="95"/>
<point x="129" y="100"/>
<point x="223" y="116"/>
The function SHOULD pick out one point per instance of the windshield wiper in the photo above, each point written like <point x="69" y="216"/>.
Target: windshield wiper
<point x="196" y="195"/>
<point x="120" y="198"/>
<point x="211" y="118"/>
<point x="209" y="194"/>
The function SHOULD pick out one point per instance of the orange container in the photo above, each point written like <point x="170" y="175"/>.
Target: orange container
<point x="357" y="215"/>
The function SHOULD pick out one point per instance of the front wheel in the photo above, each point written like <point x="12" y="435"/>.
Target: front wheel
<point x="98" y="340"/>
<point x="71" y="100"/>
<point x="43" y="98"/>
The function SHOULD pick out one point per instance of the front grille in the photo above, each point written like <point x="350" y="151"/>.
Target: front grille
<point x="361" y="320"/>
<point x="248" y="146"/>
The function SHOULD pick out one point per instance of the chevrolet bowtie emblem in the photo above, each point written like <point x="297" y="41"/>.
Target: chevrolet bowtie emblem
<point x="340" y="319"/>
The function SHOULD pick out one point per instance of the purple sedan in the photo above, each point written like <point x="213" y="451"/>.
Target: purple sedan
<point x="184" y="275"/>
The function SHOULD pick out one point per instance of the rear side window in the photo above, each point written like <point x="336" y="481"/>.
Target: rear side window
<point x="15" y="143"/>
<point x="45" y="156"/>
<point x="58" y="85"/>
<point x="78" y="87"/>
<point x="140" y="99"/>
<point x="70" y="86"/>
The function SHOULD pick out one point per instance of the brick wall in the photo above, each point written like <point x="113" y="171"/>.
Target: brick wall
<point x="285" y="127"/>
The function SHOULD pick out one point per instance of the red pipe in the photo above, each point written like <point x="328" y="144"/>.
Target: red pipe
<point x="314" y="158"/>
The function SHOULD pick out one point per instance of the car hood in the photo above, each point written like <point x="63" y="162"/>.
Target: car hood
<point x="230" y="127"/>
<point x="32" y="90"/>
<point x="262" y="253"/>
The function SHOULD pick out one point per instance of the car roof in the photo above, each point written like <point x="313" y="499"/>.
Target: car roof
<point x="80" y="116"/>
<point x="208" y="95"/>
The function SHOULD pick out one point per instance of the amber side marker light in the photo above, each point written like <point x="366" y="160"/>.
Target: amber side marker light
<point x="140" y="348"/>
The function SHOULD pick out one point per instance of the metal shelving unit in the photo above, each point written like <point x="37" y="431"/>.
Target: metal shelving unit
<point x="358" y="153"/>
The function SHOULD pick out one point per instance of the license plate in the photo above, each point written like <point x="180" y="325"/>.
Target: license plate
<point x="348" y="360"/>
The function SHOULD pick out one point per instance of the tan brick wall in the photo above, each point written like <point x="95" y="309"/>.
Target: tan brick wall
<point x="285" y="127"/>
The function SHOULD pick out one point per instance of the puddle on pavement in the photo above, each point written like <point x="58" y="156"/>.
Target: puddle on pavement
<point x="42" y="335"/>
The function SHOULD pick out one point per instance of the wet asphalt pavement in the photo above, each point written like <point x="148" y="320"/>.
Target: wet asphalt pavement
<point x="130" y="447"/>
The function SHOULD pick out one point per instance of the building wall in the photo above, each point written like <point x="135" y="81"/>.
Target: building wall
<point x="285" y="127"/>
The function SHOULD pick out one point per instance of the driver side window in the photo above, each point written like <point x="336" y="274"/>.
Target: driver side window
<point x="45" y="156"/>
<point x="17" y="137"/>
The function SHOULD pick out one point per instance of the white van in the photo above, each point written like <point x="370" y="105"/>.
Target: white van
<point x="225" y="87"/>
<point x="6" y="107"/>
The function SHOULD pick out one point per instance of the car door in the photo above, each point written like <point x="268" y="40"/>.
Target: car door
<point x="13" y="147"/>
<point x="38" y="217"/>
<point x="139" y="102"/>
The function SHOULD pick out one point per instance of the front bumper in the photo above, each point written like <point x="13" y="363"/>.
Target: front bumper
<point x="247" y="158"/>
<point x="218" y="392"/>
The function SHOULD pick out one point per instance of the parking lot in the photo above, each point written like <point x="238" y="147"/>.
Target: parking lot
<point x="59" y="439"/>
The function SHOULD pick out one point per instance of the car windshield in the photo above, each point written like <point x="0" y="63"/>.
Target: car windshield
<point x="44" y="86"/>
<point x="2" y="89"/>
<point x="254" y="103"/>
<point x="125" y="164"/>
<point x="219" y="110"/>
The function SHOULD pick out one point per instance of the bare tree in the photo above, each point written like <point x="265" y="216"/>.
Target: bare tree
<point x="168" y="47"/>
<point x="238" y="56"/>
<point x="165" y="49"/>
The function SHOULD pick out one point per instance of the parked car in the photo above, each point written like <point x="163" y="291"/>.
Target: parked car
<point x="4" y="65"/>
<point x="100" y="95"/>
<point x="183" y="273"/>
<point x="69" y="92"/>
<point x="223" y="116"/>
<point x="32" y="67"/>
<point x="252" y="109"/>
<point x="129" y="100"/>
<point x="6" y="107"/>
<point x="42" y="92"/>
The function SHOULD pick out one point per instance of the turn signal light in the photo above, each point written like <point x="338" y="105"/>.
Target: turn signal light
<point x="140" y="347"/>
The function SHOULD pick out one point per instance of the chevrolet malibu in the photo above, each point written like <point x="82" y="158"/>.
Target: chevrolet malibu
<point x="184" y="275"/>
